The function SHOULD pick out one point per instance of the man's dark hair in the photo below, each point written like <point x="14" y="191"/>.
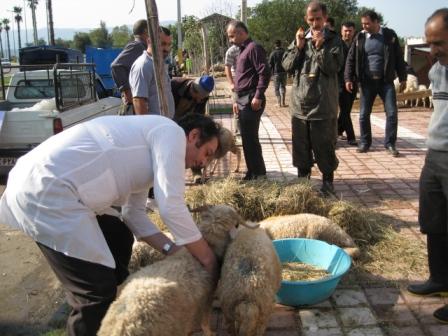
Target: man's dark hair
<point x="278" y="43"/>
<point x="140" y="27"/>
<point x="165" y="30"/>
<point x="206" y="125"/>
<point x="238" y="25"/>
<point x="443" y="12"/>
<point x="371" y="14"/>
<point x="331" y="21"/>
<point x="315" y="6"/>
<point x="349" y="24"/>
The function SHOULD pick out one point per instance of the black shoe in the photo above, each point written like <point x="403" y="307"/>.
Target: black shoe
<point x="327" y="188"/>
<point x="304" y="173"/>
<point x="429" y="288"/>
<point x="352" y="143"/>
<point x="441" y="314"/>
<point x="362" y="149"/>
<point x="248" y="177"/>
<point x="392" y="150"/>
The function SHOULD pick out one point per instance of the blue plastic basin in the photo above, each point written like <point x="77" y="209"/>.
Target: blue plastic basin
<point x="315" y="252"/>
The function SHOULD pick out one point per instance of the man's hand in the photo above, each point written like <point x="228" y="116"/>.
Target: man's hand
<point x="349" y="86"/>
<point x="256" y="104"/>
<point x="402" y="86"/>
<point x="300" y="38"/>
<point x="126" y="96"/>
<point x="318" y="39"/>
<point x="204" y="254"/>
<point x="235" y="109"/>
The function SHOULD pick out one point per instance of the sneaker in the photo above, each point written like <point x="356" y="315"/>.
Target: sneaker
<point x="428" y="288"/>
<point x="392" y="150"/>
<point x="352" y="143"/>
<point x="362" y="149"/>
<point x="441" y="314"/>
<point x="327" y="188"/>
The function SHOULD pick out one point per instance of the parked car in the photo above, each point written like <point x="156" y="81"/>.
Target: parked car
<point x="6" y="65"/>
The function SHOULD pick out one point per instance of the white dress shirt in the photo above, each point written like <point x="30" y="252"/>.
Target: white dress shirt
<point x="55" y="191"/>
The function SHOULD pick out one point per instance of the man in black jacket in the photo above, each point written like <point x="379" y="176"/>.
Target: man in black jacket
<point x="373" y="61"/>
<point x="278" y="73"/>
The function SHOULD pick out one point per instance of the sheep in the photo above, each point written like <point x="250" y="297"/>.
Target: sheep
<point x="170" y="296"/>
<point x="310" y="226"/>
<point x="250" y="278"/>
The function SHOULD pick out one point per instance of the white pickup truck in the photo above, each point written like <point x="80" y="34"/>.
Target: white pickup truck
<point x="39" y="103"/>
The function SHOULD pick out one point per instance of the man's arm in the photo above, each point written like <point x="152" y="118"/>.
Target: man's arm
<point x="228" y="72"/>
<point x="350" y="66"/>
<point x="204" y="254"/>
<point x="140" y="105"/>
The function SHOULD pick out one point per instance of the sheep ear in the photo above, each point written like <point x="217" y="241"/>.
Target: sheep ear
<point x="201" y="208"/>
<point x="251" y="225"/>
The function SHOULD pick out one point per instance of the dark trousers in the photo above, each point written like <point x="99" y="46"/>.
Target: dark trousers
<point x="249" y="126"/>
<point x="91" y="287"/>
<point x="433" y="212"/>
<point x="279" y="83"/>
<point x="315" y="136"/>
<point x="369" y="90"/>
<point x="344" y="120"/>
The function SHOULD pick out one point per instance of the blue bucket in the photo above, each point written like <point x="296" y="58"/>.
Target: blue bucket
<point x="331" y="258"/>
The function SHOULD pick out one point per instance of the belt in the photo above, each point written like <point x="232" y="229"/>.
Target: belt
<point x="245" y="93"/>
<point x="376" y="77"/>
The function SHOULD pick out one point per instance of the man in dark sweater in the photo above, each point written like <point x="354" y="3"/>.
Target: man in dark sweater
<point x="374" y="60"/>
<point x="121" y="66"/>
<point x="251" y="81"/>
<point x="278" y="73"/>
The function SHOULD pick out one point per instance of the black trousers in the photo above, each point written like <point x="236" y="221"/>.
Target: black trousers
<point x="91" y="287"/>
<point x="314" y="136"/>
<point x="249" y="127"/>
<point x="345" y="120"/>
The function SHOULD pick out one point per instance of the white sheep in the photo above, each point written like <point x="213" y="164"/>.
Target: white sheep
<point x="310" y="226"/>
<point x="143" y="255"/>
<point x="173" y="295"/>
<point x="250" y="278"/>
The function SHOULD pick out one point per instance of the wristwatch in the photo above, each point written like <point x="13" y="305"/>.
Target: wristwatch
<point x="166" y="248"/>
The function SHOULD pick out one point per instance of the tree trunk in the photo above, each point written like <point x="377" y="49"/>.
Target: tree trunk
<point x="33" y="13"/>
<point x="1" y="46"/>
<point x="18" y="34"/>
<point x="50" y="23"/>
<point x="9" y="47"/>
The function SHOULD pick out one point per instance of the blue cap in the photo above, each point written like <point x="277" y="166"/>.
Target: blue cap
<point x="204" y="85"/>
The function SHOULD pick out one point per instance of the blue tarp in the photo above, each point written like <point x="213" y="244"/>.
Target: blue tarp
<point x="103" y="58"/>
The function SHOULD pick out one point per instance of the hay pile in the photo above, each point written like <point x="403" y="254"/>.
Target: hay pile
<point x="384" y="252"/>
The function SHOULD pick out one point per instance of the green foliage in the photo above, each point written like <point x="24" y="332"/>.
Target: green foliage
<point x="100" y="36"/>
<point x="192" y="35"/>
<point x="63" y="43"/>
<point x="120" y="36"/>
<point x="81" y="40"/>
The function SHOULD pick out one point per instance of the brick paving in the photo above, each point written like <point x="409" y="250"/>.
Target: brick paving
<point x="375" y="180"/>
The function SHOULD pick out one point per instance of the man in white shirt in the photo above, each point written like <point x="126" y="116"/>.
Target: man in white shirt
<point x="143" y="83"/>
<point x="61" y="194"/>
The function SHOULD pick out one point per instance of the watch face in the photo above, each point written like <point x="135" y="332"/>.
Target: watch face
<point x="166" y="248"/>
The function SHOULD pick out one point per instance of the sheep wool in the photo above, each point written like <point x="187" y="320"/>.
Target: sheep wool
<point x="250" y="278"/>
<point x="173" y="295"/>
<point x="310" y="226"/>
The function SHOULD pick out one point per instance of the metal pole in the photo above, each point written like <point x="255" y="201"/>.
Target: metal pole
<point x="244" y="11"/>
<point x="179" y="26"/>
<point x="157" y="57"/>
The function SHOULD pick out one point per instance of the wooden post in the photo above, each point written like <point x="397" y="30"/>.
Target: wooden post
<point x="157" y="57"/>
<point x="205" y="47"/>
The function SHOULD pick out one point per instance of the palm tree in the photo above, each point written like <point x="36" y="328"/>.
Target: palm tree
<point x="18" y="18"/>
<point x="1" y="43"/>
<point x="50" y="23"/>
<point x="33" y="4"/>
<point x="6" y="24"/>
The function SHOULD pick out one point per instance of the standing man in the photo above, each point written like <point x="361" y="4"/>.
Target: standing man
<point x="59" y="193"/>
<point x="229" y="69"/>
<point x="279" y="74"/>
<point x="121" y="66"/>
<point x="315" y="58"/>
<point x="251" y="81"/>
<point x="346" y="98"/>
<point x="143" y="82"/>
<point x="374" y="60"/>
<point x="433" y="214"/>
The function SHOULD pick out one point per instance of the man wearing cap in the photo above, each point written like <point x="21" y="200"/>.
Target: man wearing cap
<point x="121" y="66"/>
<point x="191" y="96"/>
<point x="143" y="83"/>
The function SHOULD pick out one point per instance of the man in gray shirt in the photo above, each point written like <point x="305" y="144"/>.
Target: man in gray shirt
<point x="121" y="66"/>
<point x="433" y="213"/>
<point x="142" y="80"/>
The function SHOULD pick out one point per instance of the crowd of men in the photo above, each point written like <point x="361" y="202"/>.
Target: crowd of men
<point x="65" y="193"/>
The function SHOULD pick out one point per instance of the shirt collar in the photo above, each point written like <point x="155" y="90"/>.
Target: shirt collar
<point x="368" y="34"/>
<point x="245" y="43"/>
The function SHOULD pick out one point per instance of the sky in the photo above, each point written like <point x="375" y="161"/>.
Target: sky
<point x="406" y="17"/>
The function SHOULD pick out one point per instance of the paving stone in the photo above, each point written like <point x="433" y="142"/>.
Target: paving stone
<point x="349" y="297"/>
<point x="318" y="317"/>
<point x="368" y="331"/>
<point x="424" y="312"/>
<point x="384" y="295"/>
<point x="282" y="333"/>
<point x="354" y="317"/>
<point x="394" y="330"/>
<point x="400" y="314"/>
<point x="323" y="332"/>
<point x="282" y="319"/>
<point x="438" y="329"/>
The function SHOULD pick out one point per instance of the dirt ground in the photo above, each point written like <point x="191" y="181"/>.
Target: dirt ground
<point x="30" y="294"/>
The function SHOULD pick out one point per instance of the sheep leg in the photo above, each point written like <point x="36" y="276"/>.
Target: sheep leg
<point x="205" y="323"/>
<point x="214" y="165"/>
<point x="237" y="152"/>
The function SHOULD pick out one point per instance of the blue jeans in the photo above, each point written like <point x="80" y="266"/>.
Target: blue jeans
<point x="386" y="91"/>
